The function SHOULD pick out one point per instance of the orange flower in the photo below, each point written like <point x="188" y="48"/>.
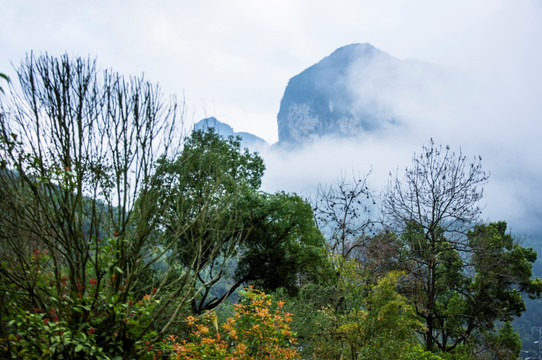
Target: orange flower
<point x="203" y="329"/>
<point x="190" y="320"/>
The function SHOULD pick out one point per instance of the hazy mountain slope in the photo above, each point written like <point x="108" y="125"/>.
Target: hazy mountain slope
<point x="354" y="90"/>
<point x="247" y="139"/>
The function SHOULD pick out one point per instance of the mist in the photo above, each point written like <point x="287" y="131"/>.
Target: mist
<point x="232" y="61"/>
<point x="492" y="112"/>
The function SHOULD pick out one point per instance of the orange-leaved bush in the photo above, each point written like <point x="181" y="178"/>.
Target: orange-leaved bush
<point x="259" y="329"/>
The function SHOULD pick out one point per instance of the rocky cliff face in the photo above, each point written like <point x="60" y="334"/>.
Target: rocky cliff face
<point x="355" y="91"/>
<point x="348" y="93"/>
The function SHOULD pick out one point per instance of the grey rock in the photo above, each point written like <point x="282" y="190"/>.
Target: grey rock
<point x="348" y="93"/>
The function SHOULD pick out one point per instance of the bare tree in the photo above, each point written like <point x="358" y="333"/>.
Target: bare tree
<point x="432" y="206"/>
<point x="343" y="213"/>
<point x="78" y="149"/>
<point x="440" y="192"/>
<point x="3" y="77"/>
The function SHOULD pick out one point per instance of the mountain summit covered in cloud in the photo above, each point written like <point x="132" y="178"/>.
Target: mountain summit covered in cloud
<point x="360" y="109"/>
<point x="349" y="93"/>
<point x="355" y="92"/>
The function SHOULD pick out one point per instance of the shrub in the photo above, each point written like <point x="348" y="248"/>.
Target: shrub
<point x="259" y="329"/>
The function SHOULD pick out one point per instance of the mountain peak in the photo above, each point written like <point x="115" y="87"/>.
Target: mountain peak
<point x="225" y="130"/>
<point x="333" y="97"/>
<point x="354" y="49"/>
<point x="221" y="128"/>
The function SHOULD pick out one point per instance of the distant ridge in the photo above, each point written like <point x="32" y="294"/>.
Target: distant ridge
<point x="225" y="130"/>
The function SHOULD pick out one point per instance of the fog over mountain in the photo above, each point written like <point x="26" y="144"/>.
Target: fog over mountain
<point x="350" y="94"/>
<point x="361" y="110"/>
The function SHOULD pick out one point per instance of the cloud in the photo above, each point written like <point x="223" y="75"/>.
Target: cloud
<point x="233" y="59"/>
<point x="484" y="100"/>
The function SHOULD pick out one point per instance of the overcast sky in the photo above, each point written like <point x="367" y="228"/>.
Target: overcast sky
<point x="233" y="59"/>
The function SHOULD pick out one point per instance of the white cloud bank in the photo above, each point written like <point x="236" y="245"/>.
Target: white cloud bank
<point x="233" y="59"/>
<point x="487" y="103"/>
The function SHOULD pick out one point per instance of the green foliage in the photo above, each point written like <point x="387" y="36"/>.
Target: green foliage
<point x="269" y="240"/>
<point x="461" y="286"/>
<point x="504" y="270"/>
<point x="205" y="187"/>
<point x="506" y="344"/>
<point x="464" y="307"/>
<point x="109" y="238"/>
<point x="129" y="232"/>
<point x="367" y="320"/>
<point x="418" y="353"/>
<point x="209" y="167"/>
<point x="283" y="243"/>
<point x="76" y="148"/>
<point x="91" y="322"/>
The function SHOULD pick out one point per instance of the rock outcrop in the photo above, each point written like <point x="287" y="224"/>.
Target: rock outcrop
<point x="348" y="93"/>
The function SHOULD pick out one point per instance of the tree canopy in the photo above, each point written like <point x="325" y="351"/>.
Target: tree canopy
<point x="122" y="238"/>
<point x="265" y="239"/>
<point x="448" y="257"/>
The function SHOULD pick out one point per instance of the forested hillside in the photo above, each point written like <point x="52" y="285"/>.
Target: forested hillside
<point x="120" y="238"/>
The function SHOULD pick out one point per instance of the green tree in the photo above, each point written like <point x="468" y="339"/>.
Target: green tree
<point x="506" y="344"/>
<point x="436" y="276"/>
<point x="503" y="273"/>
<point x="77" y="151"/>
<point x="370" y="320"/>
<point x="438" y="197"/>
<point x="205" y="186"/>
<point x="244" y="235"/>
<point x="284" y="247"/>
<point x="449" y="261"/>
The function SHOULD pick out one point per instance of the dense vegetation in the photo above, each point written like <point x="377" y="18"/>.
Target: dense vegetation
<point x="122" y="239"/>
